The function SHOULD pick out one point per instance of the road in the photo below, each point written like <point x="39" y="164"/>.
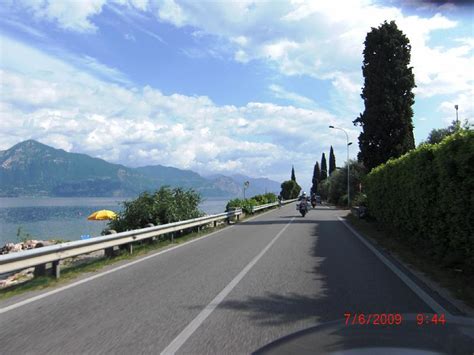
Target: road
<point x="232" y="292"/>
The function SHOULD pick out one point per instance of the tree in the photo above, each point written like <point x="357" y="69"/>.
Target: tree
<point x="332" y="161"/>
<point x="388" y="97"/>
<point x="293" y="177"/>
<point x="164" y="206"/>
<point x="336" y="186"/>
<point x="316" y="177"/>
<point x="290" y="189"/>
<point x="437" y="135"/>
<point x="324" y="168"/>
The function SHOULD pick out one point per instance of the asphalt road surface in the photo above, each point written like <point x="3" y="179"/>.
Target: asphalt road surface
<point x="233" y="292"/>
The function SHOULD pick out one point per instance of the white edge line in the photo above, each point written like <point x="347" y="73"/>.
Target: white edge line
<point x="177" y="342"/>
<point x="90" y="278"/>
<point x="435" y="306"/>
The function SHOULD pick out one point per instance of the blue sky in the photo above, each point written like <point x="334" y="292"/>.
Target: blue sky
<point x="217" y="87"/>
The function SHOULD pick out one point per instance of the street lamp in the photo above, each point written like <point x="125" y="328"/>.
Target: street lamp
<point x="457" y="120"/>
<point x="348" y="144"/>
<point x="246" y="185"/>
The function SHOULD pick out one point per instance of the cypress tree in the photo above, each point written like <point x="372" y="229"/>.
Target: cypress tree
<point x="293" y="177"/>
<point x="316" y="177"/>
<point x="388" y="83"/>
<point x="332" y="161"/>
<point x="324" y="168"/>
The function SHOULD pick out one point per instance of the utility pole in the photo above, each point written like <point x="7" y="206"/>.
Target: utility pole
<point x="348" y="166"/>
<point x="457" y="119"/>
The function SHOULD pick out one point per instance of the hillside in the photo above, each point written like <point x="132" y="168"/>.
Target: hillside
<point x="31" y="168"/>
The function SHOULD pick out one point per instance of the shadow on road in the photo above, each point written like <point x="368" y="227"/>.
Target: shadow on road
<point x="345" y="275"/>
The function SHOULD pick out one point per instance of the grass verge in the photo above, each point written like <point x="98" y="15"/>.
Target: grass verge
<point x="460" y="284"/>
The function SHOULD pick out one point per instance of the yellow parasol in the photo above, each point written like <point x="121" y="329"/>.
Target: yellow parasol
<point x="102" y="215"/>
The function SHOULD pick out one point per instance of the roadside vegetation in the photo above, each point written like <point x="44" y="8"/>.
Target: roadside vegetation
<point x="424" y="199"/>
<point x="248" y="203"/>
<point x="163" y="206"/>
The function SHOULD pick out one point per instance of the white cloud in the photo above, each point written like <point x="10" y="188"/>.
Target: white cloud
<point x="281" y="93"/>
<point x="130" y="37"/>
<point x="141" y="126"/>
<point x="70" y="15"/>
<point x="324" y="40"/>
<point x="313" y="38"/>
<point x="465" y="102"/>
<point x="171" y="12"/>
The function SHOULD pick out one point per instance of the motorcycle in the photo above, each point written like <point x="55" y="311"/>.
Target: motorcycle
<point x="313" y="203"/>
<point x="302" y="207"/>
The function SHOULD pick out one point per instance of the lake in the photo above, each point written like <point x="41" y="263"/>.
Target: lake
<point x="64" y="218"/>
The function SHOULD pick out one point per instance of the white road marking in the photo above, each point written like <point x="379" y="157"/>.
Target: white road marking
<point x="176" y="344"/>
<point x="80" y="282"/>
<point x="435" y="306"/>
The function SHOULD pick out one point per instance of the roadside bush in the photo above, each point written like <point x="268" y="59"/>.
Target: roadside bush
<point x="164" y="206"/>
<point x="359" y="200"/>
<point x="247" y="204"/>
<point x="426" y="199"/>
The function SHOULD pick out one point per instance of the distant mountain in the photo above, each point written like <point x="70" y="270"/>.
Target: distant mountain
<point x="227" y="184"/>
<point x="257" y="185"/>
<point x="31" y="168"/>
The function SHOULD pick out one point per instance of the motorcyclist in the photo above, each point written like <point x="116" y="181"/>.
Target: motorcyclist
<point x="280" y="198"/>
<point x="303" y="197"/>
<point x="303" y="203"/>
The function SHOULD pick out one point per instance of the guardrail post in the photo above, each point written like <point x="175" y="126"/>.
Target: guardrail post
<point x="130" y="248"/>
<point x="109" y="252"/>
<point x="57" y="269"/>
<point x="40" y="270"/>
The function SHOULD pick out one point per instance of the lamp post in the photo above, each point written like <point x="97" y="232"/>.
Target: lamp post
<point x="347" y="144"/>
<point x="246" y="185"/>
<point x="457" y="120"/>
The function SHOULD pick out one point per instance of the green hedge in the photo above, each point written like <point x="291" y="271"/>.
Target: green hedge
<point x="426" y="198"/>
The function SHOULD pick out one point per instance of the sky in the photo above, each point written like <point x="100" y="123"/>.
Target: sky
<point x="224" y="87"/>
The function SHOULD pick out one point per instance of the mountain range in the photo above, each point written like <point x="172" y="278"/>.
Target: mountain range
<point x="31" y="168"/>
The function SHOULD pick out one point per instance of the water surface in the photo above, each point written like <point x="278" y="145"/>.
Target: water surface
<point x="63" y="217"/>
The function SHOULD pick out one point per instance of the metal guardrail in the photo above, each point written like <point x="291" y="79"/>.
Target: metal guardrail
<point x="261" y="207"/>
<point x="54" y="253"/>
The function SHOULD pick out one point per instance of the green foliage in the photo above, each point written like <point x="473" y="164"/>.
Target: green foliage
<point x="164" y="206"/>
<point x="332" y="161"/>
<point x="290" y="189"/>
<point x="437" y="135"/>
<point x="388" y="97"/>
<point x="360" y="199"/>
<point x="293" y="177"/>
<point x="336" y="187"/>
<point x="426" y="197"/>
<point x="324" y="189"/>
<point x="316" y="178"/>
<point x="247" y="204"/>
<point x="324" y="168"/>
